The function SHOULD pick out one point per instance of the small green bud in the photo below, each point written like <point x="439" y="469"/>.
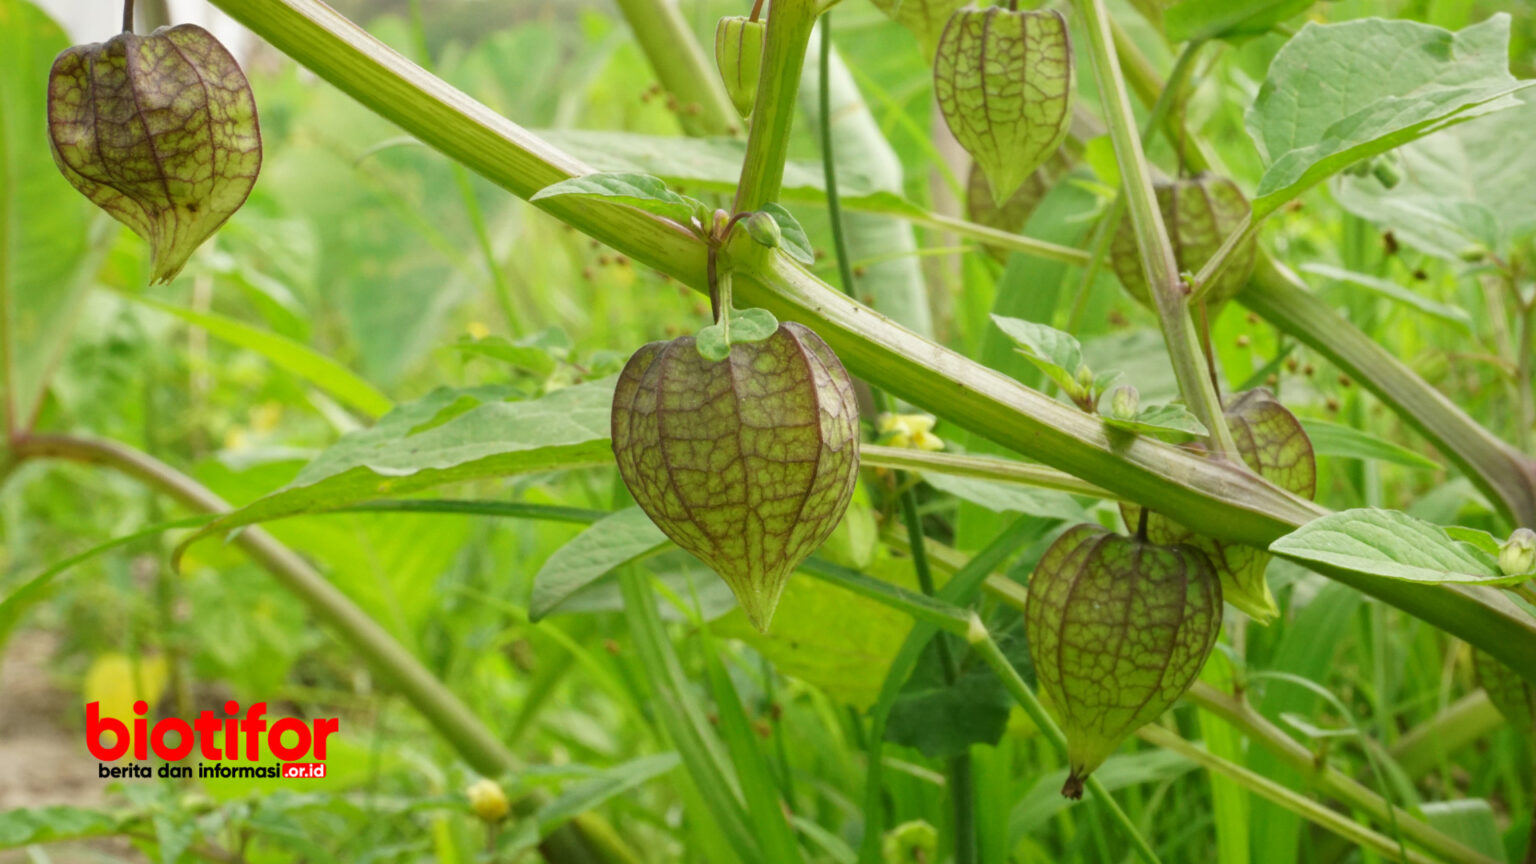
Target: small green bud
<point x="1386" y="173"/>
<point x="1518" y="554"/>
<point x="739" y="57"/>
<point x="1084" y="378"/>
<point x="160" y="131"/>
<point x="914" y="842"/>
<point x="488" y="801"/>
<point x="764" y="229"/>
<point x="1476" y="253"/>
<point x="1124" y="402"/>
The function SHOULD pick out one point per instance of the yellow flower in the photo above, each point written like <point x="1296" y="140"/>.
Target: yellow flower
<point x="909" y="431"/>
<point x="477" y="330"/>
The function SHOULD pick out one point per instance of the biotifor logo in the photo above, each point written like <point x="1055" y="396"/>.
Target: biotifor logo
<point x="215" y="740"/>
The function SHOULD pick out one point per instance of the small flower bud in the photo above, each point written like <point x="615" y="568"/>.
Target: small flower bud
<point x="764" y="229"/>
<point x="488" y="801"/>
<point x="1518" y="554"/>
<point x="1124" y="402"/>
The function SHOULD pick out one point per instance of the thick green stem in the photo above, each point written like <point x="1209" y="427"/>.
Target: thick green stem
<point x="1507" y="477"/>
<point x="1170" y="299"/>
<point x="704" y="108"/>
<point x="475" y="743"/>
<point x="789" y="31"/>
<point x="1229" y="503"/>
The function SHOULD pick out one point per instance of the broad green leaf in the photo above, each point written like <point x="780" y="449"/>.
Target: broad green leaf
<point x="522" y="354"/>
<point x="1340" y="93"/>
<point x="829" y="637"/>
<point x="1331" y="439"/>
<point x="746" y="326"/>
<point x="24" y="826"/>
<point x="925" y="18"/>
<point x="943" y="720"/>
<point x="793" y="239"/>
<point x="301" y="360"/>
<point x="1057" y="354"/>
<point x="1390" y="544"/>
<point x="640" y="191"/>
<point x="616" y="539"/>
<point x="1453" y="315"/>
<point x="1160" y="420"/>
<point x="46" y="258"/>
<point x="1471" y="821"/>
<point x="448" y="436"/>
<point x="1226" y="19"/>
<point x="1467" y="187"/>
<point x="1009" y="497"/>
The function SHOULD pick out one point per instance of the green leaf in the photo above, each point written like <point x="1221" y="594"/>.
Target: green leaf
<point x="1044" y="799"/>
<point x="942" y="720"/>
<point x="747" y="326"/>
<point x="47" y="256"/>
<point x="1470" y="821"/>
<point x="611" y="783"/>
<point x="793" y="239"/>
<point x="614" y="540"/>
<point x="301" y="360"/>
<point x="1453" y="315"/>
<point x="1340" y="93"/>
<point x="539" y="354"/>
<point x="447" y="436"/>
<point x="1226" y="19"/>
<point x="1161" y="420"/>
<point x="1057" y="354"/>
<point x="1390" y="544"/>
<point x="23" y="826"/>
<point x="1331" y="439"/>
<point x="641" y="191"/>
<point x="1473" y="185"/>
<point x="1009" y="497"/>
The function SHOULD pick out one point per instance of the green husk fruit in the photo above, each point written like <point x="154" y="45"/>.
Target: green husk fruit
<point x="160" y="131"/>
<point x="1118" y="629"/>
<point x="748" y="462"/>
<point x="1199" y="212"/>
<point x="739" y="57"/>
<point x="1005" y="82"/>
<point x="1273" y="443"/>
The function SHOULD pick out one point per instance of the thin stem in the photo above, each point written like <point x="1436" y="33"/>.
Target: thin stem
<point x="788" y="33"/>
<point x="475" y="743"/>
<point x="985" y="646"/>
<point x="1272" y="791"/>
<point x="1211" y="272"/>
<point x="991" y="236"/>
<point x="1328" y="780"/>
<point x="127" y="16"/>
<point x="1500" y="471"/>
<point x="1169" y="296"/>
<point x="685" y="70"/>
<point x="1109" y="224"/>
<point x="983" y="467"/>
<point x="1523" y="370"/>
